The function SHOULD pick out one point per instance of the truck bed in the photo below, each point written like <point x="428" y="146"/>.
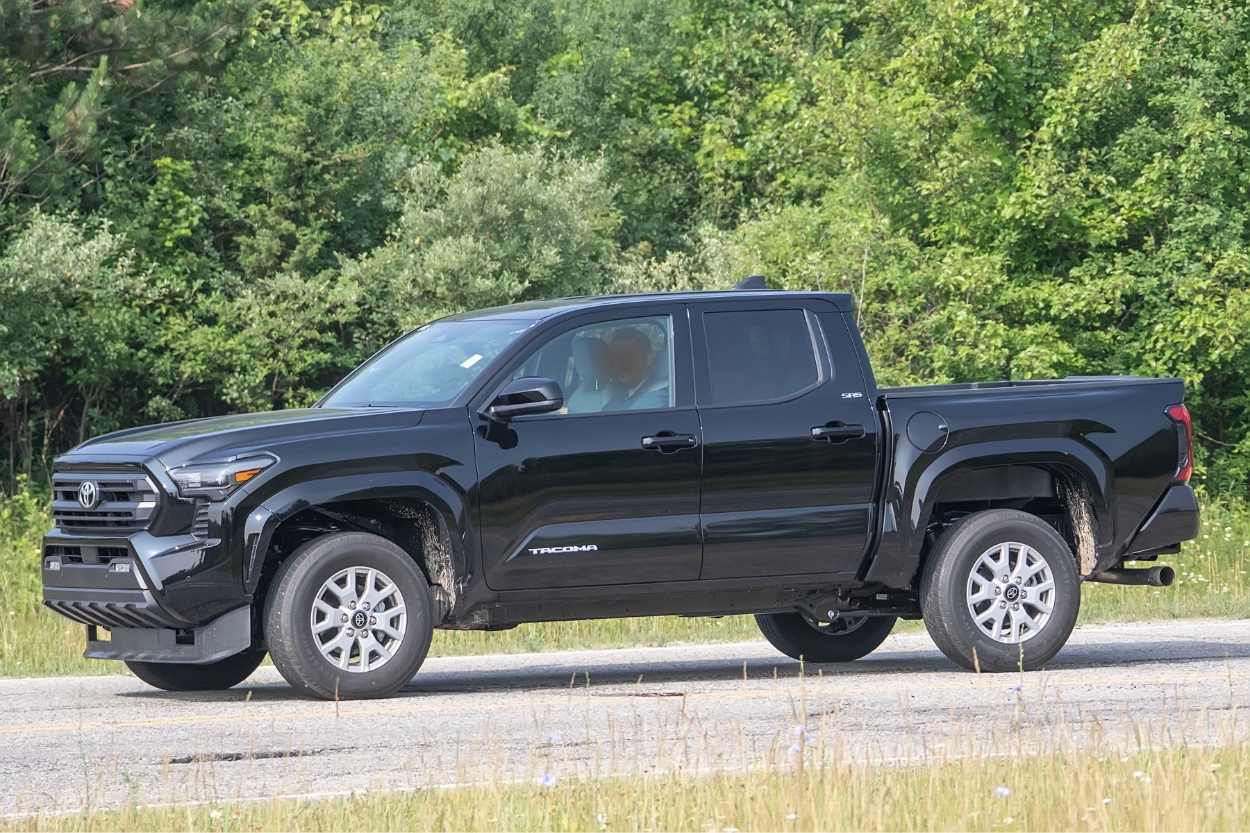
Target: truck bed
<point x="961" y="387"/>
<point x="952" y="446"/>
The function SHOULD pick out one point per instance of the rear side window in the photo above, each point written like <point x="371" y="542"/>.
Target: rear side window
<point x="760" y="355"/>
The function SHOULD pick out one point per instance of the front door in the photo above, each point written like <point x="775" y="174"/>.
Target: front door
<point x="789" y="436"/>
<point x="605" y="492"/>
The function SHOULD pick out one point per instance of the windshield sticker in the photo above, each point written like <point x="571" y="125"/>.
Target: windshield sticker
<point x="472" y="360"/>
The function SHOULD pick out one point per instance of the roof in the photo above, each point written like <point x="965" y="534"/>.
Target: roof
<point x="539" y="310"/>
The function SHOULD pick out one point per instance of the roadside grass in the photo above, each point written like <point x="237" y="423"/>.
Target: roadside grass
<point x="1212" y="583"/>
<point x="1211" y="579"/>
<point x="1179" y="788"/>
<point x="34" y="642"/>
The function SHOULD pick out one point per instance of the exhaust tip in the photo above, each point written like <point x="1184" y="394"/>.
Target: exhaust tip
<point x="1150" y="577"/>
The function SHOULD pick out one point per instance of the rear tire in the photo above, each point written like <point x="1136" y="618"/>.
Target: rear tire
<point x="213" y="676"/>
<point x="844" y="640"/>
<point x="1000" y="592"/>
<point x="349" y="617"/>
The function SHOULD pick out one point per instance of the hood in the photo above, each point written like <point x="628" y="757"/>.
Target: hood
<point x="175" y="443"/>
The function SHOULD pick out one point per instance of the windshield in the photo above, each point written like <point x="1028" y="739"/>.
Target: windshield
<point x="429" y="367"/>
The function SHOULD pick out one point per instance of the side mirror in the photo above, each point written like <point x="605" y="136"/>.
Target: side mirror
<point x="525" y="396"/>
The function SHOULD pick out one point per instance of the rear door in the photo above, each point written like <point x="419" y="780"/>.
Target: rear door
<point x="606" y="492"/>
<point x="789" y="440"/>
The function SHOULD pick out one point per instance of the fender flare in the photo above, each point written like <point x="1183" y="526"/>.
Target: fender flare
<point x="264" y="519"/>
<point x="918" y="477"/>
<point x="1063" y="454"/>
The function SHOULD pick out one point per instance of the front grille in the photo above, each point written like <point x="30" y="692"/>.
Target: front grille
<point x="86" y="554"/>
<point x="69" y="555"/>
<point x="125" y="501"/>
<point x="136" y="614"/>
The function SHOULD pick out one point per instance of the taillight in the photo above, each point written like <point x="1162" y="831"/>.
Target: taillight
<point x="1185" y="440"/>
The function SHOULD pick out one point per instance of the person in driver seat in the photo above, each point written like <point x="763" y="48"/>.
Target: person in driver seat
<point x="638" y="379"/>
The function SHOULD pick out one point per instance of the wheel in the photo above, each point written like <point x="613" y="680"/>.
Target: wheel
<point x="213" y="676"/>
<point x="1000" y="592"/>
<point x="844" y="639"/>
<point x="348" y="617"/>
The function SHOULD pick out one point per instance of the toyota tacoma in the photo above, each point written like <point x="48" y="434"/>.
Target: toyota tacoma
<point x="697" y="454"/>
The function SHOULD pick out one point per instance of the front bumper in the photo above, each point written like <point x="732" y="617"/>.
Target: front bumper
<point x="100" y="582"/>
<point x="138" y="581"/>
<point x="125" y="585"/>
<point x="81" y="598"/>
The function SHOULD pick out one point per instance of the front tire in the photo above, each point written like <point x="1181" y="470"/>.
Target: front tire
<point x="348" y="617"/>
<point x="845" y="639"/>
<point x="213" y="676"/>
<point x="1000" y="592"/>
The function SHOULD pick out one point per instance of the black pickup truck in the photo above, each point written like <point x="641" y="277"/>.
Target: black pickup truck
<point x="697" y="454"/>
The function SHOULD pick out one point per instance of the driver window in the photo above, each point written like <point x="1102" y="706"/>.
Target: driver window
<point x="624" y="365"/>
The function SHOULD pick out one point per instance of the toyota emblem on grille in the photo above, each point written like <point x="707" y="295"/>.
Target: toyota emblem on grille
<point x="88" y="494"/>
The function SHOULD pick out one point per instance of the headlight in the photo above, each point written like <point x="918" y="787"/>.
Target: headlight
<point x="217" y="480"/>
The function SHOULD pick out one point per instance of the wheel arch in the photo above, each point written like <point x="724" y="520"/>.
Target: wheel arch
<point x="1065" y="494"/>
<point x="1066" y="481"/>
<point x="421" y="515"/>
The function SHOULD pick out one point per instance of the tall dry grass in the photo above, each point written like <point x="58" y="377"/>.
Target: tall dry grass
<point x="1180" y="788"/>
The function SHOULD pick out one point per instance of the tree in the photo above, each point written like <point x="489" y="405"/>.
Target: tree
<point x="68" y="321"/>
<point x="507" y="226"/>
<point x="1023" y="192"/>
<point x="81" y="79"/>
<point x="1010" y="190"/>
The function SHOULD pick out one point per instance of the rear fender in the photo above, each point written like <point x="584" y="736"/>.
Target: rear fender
<point x="917" y="479"/>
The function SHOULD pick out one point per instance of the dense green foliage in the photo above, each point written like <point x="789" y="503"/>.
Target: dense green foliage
<point x="208" y="206"/>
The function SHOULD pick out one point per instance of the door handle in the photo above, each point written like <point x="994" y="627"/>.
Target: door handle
<point x="837" y="432"/>
<point x="669" y="441"/>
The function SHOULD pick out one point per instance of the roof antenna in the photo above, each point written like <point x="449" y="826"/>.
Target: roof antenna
<point x="753" y="282"/>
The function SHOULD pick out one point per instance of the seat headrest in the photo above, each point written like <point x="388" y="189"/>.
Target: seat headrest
<point x="592" y="358"/>
<point x="659" y="365"/>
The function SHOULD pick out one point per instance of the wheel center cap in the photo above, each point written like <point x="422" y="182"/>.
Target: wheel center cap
<point x="1011" y="593"/>
<point x="359" y="619"/>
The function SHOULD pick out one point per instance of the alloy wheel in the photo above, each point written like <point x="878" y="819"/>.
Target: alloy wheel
<point x="1011" y="592"/>
<point x="358" y="619"/>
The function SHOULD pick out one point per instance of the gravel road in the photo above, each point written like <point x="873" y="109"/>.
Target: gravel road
<point x="69" y="743"/>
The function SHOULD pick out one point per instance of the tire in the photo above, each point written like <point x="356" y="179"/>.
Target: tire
<point x="844" y="640"/>
<point x="367" y="656"/>
<point x="214" y="676"/>
<point x="998" y="543"/>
